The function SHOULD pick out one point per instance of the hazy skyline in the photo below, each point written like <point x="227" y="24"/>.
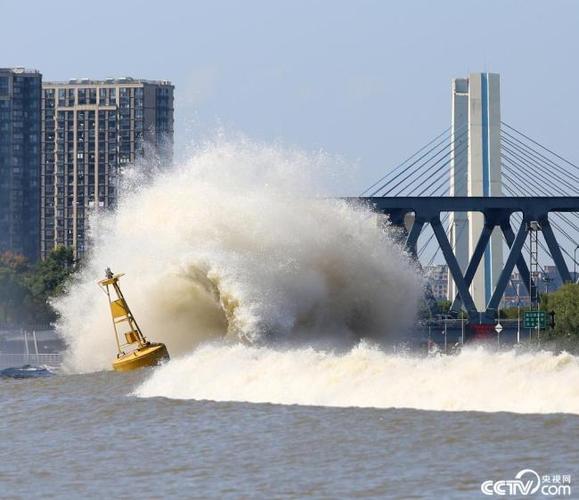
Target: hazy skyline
<point x="368" y="81"/>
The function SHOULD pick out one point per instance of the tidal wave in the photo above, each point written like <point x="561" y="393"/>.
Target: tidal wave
<point x="366" y="376"/>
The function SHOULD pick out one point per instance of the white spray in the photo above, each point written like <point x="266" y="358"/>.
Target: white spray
<point x="238" y="243"/>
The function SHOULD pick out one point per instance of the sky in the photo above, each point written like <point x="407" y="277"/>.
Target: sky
<point x="368" y="81"/>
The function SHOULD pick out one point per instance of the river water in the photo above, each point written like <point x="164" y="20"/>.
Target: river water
<point x="272" y="299"/>
<point x="153" y="434"/>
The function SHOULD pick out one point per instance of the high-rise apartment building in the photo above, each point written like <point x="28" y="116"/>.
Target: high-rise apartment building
<point x="20" y="95"/>
<point x="90" y="130"/>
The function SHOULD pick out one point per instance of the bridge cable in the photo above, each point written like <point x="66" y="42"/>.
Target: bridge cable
<point x="421" y="161"/>
<point x="412" y="173"/>
<point x="534" y="155"/>
<point x="537" y="168"/>
<point x="437" y="172"/>
<point x="507" y="160"/>
<point x="429" y="155"/>
<point x="528" y="152"/>
<point x="572" y="240"/>
<point x="538" y="187"/>
<point x="404" y="162"/>
<point x="559" y="228"/>
<point x="441" y="180"/>
<point x="409" y="172"/>
<point x="515" y="160"/>
<point x="540" y="145"/>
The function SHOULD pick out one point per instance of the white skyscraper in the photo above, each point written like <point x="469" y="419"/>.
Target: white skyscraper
<point x="476" y="171"/>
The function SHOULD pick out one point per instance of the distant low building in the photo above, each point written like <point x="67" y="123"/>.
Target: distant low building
<point x="438" y="281"/>
<point x="20" y="94"/>
<point x="516" y="292"/>
<point x="92" y="129"/>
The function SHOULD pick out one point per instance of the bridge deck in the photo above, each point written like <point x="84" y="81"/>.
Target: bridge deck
<point x="529" y="205"/>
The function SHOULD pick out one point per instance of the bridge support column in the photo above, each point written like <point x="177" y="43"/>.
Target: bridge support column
<point x="505" y="275"/>
<point x="453" y="267"/>
<point x="555" y="249"/>
<point x="522" y="267"/>
<point x="413" y="236"/>
<point x="474" y="262"/>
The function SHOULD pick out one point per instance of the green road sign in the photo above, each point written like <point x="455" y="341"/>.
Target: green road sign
<point x="532" y="319"/>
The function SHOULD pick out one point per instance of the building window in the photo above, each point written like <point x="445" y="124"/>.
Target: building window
<point x="4" y="86"/>
<point x="82" y="96"/>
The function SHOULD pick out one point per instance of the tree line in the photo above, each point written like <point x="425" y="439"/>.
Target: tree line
<point x="564" y="302"/>
<point x="26" y="288"/>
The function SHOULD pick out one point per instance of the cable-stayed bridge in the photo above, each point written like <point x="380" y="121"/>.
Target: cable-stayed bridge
<point x="538" y="212"/>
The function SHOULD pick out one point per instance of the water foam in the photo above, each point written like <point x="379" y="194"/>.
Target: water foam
<point x="475" y="380"/>
<point x="237" y="242"/>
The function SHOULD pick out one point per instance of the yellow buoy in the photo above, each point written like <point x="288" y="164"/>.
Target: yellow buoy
<point x="134" y="350"/>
